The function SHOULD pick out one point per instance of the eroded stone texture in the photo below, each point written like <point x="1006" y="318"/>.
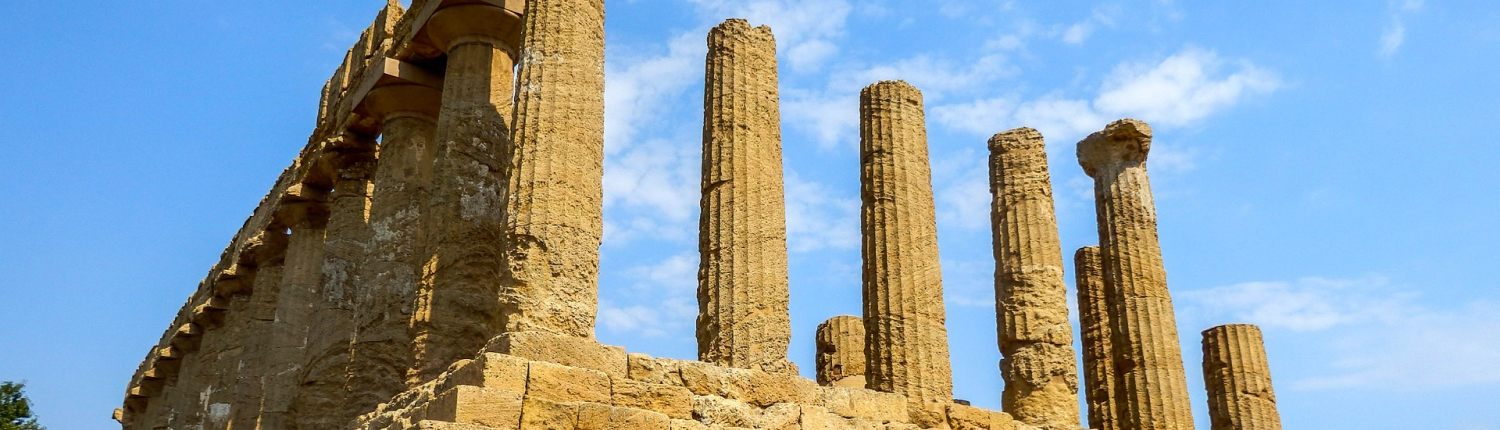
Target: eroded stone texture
<point x="906" y="343"/>
<point x="1031" y="297"/>
<point x="1152" y="386"/>
<point x="382" y="350"/>
<point x="743" y="318"/>
<point x="323" y="387"/>
<point x="1093" y="316"/>
<point x="555" y="200"/>
<point x="267" y="252"/>
<point x="305" y="210"/>
<point x="464" y="224"/>
<point x="1238" y="377"/>
<point x="841" y="352"/>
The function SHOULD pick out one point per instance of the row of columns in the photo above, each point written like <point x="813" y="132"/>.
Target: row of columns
<point x="475" y="216"/>
<point x="1133" y="365"/>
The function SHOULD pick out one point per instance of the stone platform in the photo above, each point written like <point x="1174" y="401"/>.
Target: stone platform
<point x="542" y="381"/>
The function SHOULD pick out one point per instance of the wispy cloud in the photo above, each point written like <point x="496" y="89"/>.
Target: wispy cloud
<point x="1394" y="35"/>
<point x="1378" y="335"/>
<point x="818" y="217"/>
<point x="664" y="300"/>
<point x="1180" y="90"/>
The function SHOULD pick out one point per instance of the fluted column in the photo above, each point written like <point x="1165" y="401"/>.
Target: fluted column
<point x="459" y="308"/>
<point x="743" y="318"/>
<point x="1093" y="316"/>
<point x="305" y="210"/>
<point x="1031" y="297"/>
<point x="382" y="350"/>
<point x="1238" y="377"/>
<point x="1152" y="386"/>
<point x="841" y="352"/>
<point x="324" y="387"/>
<point x="906" y="342"/>
<point x="266" y="252"/>
<point x="554" y="206"/>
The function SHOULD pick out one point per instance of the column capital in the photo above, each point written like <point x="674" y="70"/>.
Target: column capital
<point x="265" y="248"/>
<point x="404" y="100"/>
<point x="303" y="206"/>
<point x="1126" y="141"/>
<point x="479" y="22"/>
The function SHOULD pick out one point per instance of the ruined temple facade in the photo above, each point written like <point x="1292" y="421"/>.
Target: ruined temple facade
<point x="430" y="261"/>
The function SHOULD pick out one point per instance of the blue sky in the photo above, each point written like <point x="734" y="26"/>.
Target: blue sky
<point x="1320" y="169"/>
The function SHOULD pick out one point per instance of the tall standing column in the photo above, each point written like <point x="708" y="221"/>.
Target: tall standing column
<point x="1152" y="386"/>
<point x="464" y="219"/>
<point x="554" y="206"/>
<point x="1093" y="316"/>
<point x="841" y="352"/>
<point x="743" y="318"/>
<point x="324" y="389"/>
<point x="1031" y="297"/>
<point x="266" y="252"/>
<point x="1238" y="377"/>
<point x="906" y="342"/>
<point x="382" y="351"/>
<point x="305" y="209"/>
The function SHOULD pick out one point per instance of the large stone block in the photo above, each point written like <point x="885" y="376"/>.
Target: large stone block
<point x="674" y="401"/>
<point x="476" y="405"/>
<point x="564" y="350"/>
<point x="652" y="370"/>
<point x="715" y="410"/>
<point x="542" y="414"/>
<point x="593" y="416"/>
<point x="560" y="383"/>
<point x="751" y="386"/>
<point x="439" y="425"/>
<point x="491" y="370"/>
<point x="862" y="403"/>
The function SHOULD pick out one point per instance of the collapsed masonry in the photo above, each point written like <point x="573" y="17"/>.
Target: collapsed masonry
<point x="446" y="276"/>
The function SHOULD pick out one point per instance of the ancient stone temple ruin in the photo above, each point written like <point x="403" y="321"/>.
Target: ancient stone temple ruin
<point x="430" y="261"/>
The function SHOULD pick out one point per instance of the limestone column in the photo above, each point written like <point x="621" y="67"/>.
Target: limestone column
<point x="906" y="343"/>
<point x="323" y="387"/>
<point x="266" y="253"/>
<point x="841" y="352"/>
<point x="554" y="205"/>
<point x="743" y="316"/>
<point x="382" y="352"/>
<point x="459" y="310"/>
<point x="1152" y="390"/>
<point x="304" y="208"/>
<point x="1238" y="377"/>
<point x="1093" y="316"/>
<point x="1031" y="296"/>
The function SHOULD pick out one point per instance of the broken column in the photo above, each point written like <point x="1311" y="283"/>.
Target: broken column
<point x="906" y="343"/>
<point x="841" y="352"/>
<point x="1093" y="318"/>
<point x="743" y="318"/>
<point x="459" y="308"/>
<point x="1152" y="391"/>
<point x="554" y="206"/>
<point x="382" y="352"/>
<point x="1238" y="377"/>
<point x="1031" y="297"/>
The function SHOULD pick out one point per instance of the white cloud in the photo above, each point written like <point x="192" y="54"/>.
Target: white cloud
<point x="664" y="299"/>
<point x="818" y="218"/>
<point x="1378" y="336"/>
<point x="1394" y="35"/>
<point x="638" y="88"/>
<point x="1178" y="91"/>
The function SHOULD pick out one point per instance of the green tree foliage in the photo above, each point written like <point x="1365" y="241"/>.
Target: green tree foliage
<point x="15" y="408"/>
